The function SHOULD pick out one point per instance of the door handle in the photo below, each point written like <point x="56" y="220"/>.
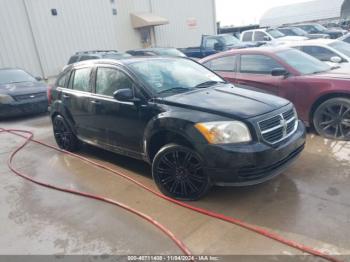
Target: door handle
<point x="95" y="102"/>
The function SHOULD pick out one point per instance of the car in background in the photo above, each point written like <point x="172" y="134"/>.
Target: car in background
<point x="345" y="38"/>
<point x="21" y="93"/>
<point x="194" y="128"/>
<point x="212" y="44"/>
<point x="331" y="51"/>
<point x="296" y="31"/>
<point x="156" y="51"/>
<point x="96" y="54"/>
<point x="272" y="36"/>
<point x="320" y="94"/>
<point x="314" y="28"/>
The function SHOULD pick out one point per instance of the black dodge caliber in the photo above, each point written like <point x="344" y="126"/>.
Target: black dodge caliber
<point x="195" y="129"/>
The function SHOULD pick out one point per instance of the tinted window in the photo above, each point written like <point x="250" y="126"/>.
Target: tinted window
<point x="347" y="39"/>
<point x="247" y="36"/>
<point x="81" y="80"/>
<point x="15" y="76"/>
<point x="109" y="80"/>
<point x="62" y="80"/>
<point x="341" y="47"/>
<point x="210" y="42"/>
<point x="259" y="36"/>
<point x="226" y="63"/>
<point x="73" y="59"/>
<point x="258" y="64"/>
<point x="319" y="52"/>
<point x="87" y="57"/>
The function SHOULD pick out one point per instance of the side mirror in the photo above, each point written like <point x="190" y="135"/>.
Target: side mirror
<point x="336" y="59"/>
<point x="279" y="72"/>
<point x="267" y="38"/>
<point x="38" y="78"/>
<point x="218" y="47"/>
<point x="126" y="95"/>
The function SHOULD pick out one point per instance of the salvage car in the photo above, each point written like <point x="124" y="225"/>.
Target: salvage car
<point x="320" y="93"/>
<point x="331" y="51"/>
<point x="296" y="31"/>
<point x="195" y="129"/>
<point x="21" y="93"/>
<point x="315" y="28"/>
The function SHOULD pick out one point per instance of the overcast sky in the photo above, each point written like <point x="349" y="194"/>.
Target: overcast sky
<point x="245" y="12"/>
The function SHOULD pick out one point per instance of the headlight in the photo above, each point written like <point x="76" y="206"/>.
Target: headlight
<point x="5" y="99"/>
<point x="224" y="132"/>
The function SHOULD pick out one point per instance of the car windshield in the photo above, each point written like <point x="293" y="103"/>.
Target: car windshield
<point x="168" y="76"/>
<point x="342" y="47"/>
<point x="302" y="62"/>
<point x="275" y="33"/>
<point x="320" y="27"/>
<point x="9" y="76"/>
<point x="298" y="31"/>
<point x="229" y="39"/>
<point x="170" y="52"/>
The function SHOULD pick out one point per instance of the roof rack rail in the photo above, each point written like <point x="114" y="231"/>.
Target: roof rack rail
<point x="94" y="51"/>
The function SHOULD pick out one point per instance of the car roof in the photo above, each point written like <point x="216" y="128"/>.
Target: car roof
<point x="261" y="49"/>
<point x="252" y="30"/>
<point x="320" y="42"/>
<point x="151" y="49"/>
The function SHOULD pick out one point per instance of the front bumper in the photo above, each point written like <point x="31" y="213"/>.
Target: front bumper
<point x="23" y="108"/>
<point x="249" y="164"/>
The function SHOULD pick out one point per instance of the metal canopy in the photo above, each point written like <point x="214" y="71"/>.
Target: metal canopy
<point x="147" y="19"/>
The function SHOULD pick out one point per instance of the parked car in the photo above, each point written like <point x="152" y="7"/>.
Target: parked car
<point x="212" y="44"/>
<point x="331" y="51"/>
<point x="21" y="93"/>
<point x="345" y="38"/>
<point x="314" y="28"/>
<point x="321" y="95"/>
<point x="263" y="36"/>
<point x="296" y="31"/>
<point x="160" y="51"/>
<point x="96" y="54"/>
<point x="194" y="128"/>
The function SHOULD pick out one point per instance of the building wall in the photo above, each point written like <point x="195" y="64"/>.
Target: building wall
<point x="32" y="38"/>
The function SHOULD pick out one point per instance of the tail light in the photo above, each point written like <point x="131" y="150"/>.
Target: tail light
<point x="49" y="95"/>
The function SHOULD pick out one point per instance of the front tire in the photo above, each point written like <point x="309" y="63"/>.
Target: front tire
<point x="332" y="119"/>
<point x="64" y="136"/>
<point x="178" y="172"/>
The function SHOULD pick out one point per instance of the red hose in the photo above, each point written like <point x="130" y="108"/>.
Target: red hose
<point x="228" y="219"/>
<point x="165" y="230"/>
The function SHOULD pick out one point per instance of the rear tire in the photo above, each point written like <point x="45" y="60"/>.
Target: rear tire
<point x="178" y="172"/>
<point x="332" y="119"/>
<point x="64" y="136"/>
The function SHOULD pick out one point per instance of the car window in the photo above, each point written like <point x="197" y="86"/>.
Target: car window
<point x="210" y="42"/>
<point x="258" y="64"/>
<point x="8" y="76"/>
<point x="87" y="57"/>
<point x="247" y="36"/>
<point x="319" y="52"/>
<point x="81" y="80"/>
<point x="73" y="59"/>
<point x="259" y="36"/>
<point x="109" y="80"/>
<point x="347" y="39"/>
<point x="226" y="63"/>
<point x="62" y="80"/>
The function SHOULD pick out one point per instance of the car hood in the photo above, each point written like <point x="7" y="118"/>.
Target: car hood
<point x="226" y="100"/>
<point x="341" y="73"/>
<point x="291" y="38"/>
<point x="22" y="88"/>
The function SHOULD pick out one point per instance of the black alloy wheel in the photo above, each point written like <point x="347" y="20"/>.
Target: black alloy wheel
<point x="178" y="172"/>
<point x="64" y="137"/>
<point x="332" y="119"/>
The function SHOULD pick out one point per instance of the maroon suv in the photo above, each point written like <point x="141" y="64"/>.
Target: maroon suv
<point x="320" y="93"/>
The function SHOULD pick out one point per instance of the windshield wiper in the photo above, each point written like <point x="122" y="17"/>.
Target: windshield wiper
<point x="208" y="83"/>
<point x="174" y="89"/>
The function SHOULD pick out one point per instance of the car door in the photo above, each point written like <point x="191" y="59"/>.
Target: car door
<point x="121" y="124"/>
<point x="255" y="73"/>
<point x="225" y="66"/>
<point x="76" y="99"/>
<point x="261" y="37"/>
<point x="208" y="47"/>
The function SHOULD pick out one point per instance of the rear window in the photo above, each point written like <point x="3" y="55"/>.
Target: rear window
<point x="88" y="57"/>
<point x="247" y="36"/>
<point x="73" y="59"/>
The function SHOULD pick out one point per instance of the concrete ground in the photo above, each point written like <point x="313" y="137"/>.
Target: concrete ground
<point x="309" y="203"/>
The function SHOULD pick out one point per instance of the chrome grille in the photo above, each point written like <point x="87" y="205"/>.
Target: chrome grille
<point x="279" y="127"/>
